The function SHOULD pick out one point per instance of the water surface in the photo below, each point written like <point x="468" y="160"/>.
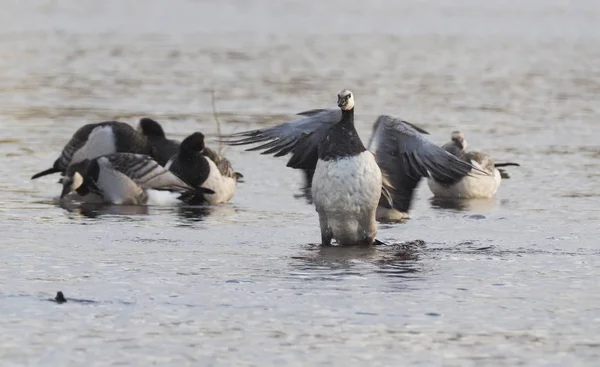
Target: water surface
<point x="506" y="281"/>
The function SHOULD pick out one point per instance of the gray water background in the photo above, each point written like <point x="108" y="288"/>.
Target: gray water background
<point x="508" y="281"/>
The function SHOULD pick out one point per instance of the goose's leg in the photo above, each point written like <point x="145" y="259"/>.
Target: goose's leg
<point x="367" y="228"/>
<point x="326" y="233"/>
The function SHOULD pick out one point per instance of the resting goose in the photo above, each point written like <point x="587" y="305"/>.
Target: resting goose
<point x="98" y="139"/>
<point x="471" y="185"/>
<point x="201" y="167"/>
<point x="124" y="178"/>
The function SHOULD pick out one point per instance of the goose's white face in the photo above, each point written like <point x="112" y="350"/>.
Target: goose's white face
<point x="77" y="181"/>
<point x="346" y="100"/>
<point x="71" y="184"/>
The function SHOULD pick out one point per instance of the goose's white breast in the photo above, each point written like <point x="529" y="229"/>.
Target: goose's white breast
<point x="351" y="184"/>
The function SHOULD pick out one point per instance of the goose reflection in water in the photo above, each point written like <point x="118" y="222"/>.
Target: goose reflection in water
<point x="96" y="210"/>
<point x="191" y="214"/>
<point x="337" y="263"/>
<point x="462" y="205"/>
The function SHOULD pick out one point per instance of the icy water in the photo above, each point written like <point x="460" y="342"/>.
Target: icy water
<point x="508" y="281"/>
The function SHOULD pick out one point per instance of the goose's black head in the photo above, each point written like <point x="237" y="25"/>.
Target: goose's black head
<point x="345" y="100"/>
<point x="77" y="176"/>
<point x="150" y="128"/>
<point x="193" y="143"/>
<point x="459" y="140"/>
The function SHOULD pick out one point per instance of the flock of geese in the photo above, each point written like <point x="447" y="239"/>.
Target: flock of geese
<point x="351" y="186"/>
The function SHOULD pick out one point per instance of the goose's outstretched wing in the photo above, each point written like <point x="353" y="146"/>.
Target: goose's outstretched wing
<point x="300" y="137"/>
<point x="144" y="171"/>
<point x="405" y="156"/>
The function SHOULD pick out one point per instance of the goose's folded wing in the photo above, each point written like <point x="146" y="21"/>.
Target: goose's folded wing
<point x="221" y="162"/>
<point x="62" y="162"/>
<point x="210" y="153"/>
<point x="146" y="172"/>
<point x="300" y="137"/>
<point x="225" y="168"/>
<point x="70" y="148"/>
<point x="78" y="140"/>
<point x="481" y="160"/>
<point x="406" y="156"/>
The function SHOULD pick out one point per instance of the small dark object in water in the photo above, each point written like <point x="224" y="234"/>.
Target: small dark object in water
<point x="60" y="297"/>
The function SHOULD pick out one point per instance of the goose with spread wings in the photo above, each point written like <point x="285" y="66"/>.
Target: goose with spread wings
<point x="347" y="179"/>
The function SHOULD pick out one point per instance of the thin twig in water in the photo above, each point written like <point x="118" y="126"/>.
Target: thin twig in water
<point x="214" y="108"/>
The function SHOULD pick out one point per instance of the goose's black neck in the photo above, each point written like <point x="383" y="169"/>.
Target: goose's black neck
<point x="348" y="116"/>
<point x="342" y="140"/>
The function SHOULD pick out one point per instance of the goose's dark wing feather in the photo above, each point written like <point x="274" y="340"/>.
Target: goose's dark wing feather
<point x="405" y="156"/>
<point x="62" y="162"/>
<point x="311" y="112"/>
<point x="503" y="173"/>
<point x="144" y="171"/>
<point x="300" y="137"/>
<point x="77" y="141"/>
<point x="506" y="164"/>
<point x="422" y="131"/>
<point x="45" y="172"/>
